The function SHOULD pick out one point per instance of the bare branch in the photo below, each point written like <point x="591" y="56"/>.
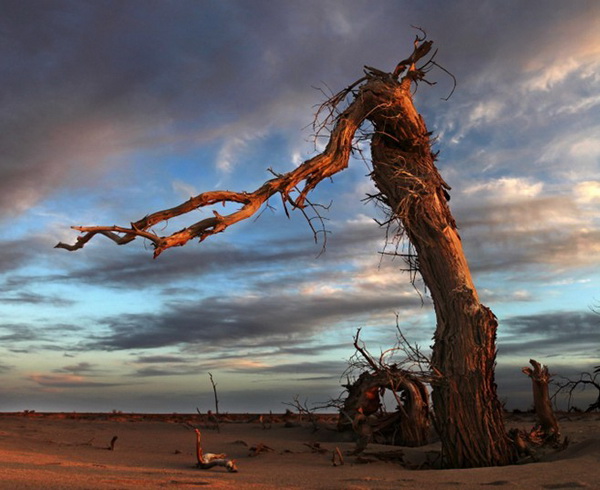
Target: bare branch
<point x="205" y="461"/>
<point x="214" y="387"/>
<point x="363" y="352"/>
<point x="333" y="159"/>
<point x="301" y="181"/>
<point x="586" y="380"/>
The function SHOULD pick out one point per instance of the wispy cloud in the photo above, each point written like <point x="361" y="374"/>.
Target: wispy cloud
<point x="226" y="321"/>
<point x="560" y="333"/>
<point x="67" y="381"/>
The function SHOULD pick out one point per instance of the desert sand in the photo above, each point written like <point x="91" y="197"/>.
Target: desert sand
<point x="71" y="451"/>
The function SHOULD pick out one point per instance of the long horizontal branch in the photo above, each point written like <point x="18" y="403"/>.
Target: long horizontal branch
<point x="333" y="159"/>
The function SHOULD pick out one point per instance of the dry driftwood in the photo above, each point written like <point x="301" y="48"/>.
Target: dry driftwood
<point x="336" y="458"/>
<point x="259" y="448"/>
<point x="210" y="460"/>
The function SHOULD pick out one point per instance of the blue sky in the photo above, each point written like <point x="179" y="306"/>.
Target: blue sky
<point x="111" y="110"/>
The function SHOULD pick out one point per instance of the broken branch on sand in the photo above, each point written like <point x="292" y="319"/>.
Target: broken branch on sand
<point x="337" y="459"/>
<point x="111" y="446"/>
<point x="209" y="460"/>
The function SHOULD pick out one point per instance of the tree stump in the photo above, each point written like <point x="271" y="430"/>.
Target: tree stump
<point x="540" y="378"/>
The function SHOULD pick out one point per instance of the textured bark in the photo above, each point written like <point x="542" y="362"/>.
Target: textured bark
<point x="408" y="425"/>
<point x="540" y="378"/>
<point x="468" y="415"/>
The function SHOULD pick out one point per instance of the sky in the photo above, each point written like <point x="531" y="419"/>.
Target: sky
<point x="111" y="110"/>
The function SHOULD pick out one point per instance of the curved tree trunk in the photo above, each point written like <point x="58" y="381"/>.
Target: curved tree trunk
<point x="468" y="415"/>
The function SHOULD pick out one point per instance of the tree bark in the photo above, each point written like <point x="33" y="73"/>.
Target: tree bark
<point x="540" y="378"/>
<point x="408" y="425"/>
<point x="467" y="413"/>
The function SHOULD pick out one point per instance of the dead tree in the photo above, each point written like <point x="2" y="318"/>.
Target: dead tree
<point x="409" y="424"/>
<point x="305" y="411"/>
<point x="214" y="387"/>
<point x="585" y="380"/>
<point x="540" y="378"/>
<point x="468" y="414"/>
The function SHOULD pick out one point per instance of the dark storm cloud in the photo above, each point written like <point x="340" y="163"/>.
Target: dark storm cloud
<point x="83" y="82"/>
<point x="140" y="270"/>
<point x="552" y="334"/>
<point x="21" y="252"/>
<point x="221" y="321"/>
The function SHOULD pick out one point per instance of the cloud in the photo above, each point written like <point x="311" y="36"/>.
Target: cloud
<point x="18" y="332"/>
<point x="234" y="321"/>
<point x="136" y="268"/>
<point x="148" y="372"/>
<point x="552" y="75"/>
<point x="504" y="189"/>
<point x="561" y="333"/>
<point x="330" y="368"/>
<point x="184" y="189"/>
<point x="76" y="369"/>
<point x="17" y="253"/>
<point x="587" y="192"/>
<point x="61" y="381"/>
<point x="160" y="359"/>
<point x="510" y="223"/>
<point x="24" y="297"/>
<point x="5" y="368"/>
<point x="86" y="90"/>
<point x="261" y="263"/>
<point x="261" y="350"/>
<point x="578" y="146"/>
<point x="232" y="149"/>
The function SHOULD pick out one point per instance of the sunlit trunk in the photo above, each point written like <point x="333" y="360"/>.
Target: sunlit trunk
<point x="468" y="415"/>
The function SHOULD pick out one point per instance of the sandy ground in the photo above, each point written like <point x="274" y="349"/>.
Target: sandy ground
<point x="51" y="451"/>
